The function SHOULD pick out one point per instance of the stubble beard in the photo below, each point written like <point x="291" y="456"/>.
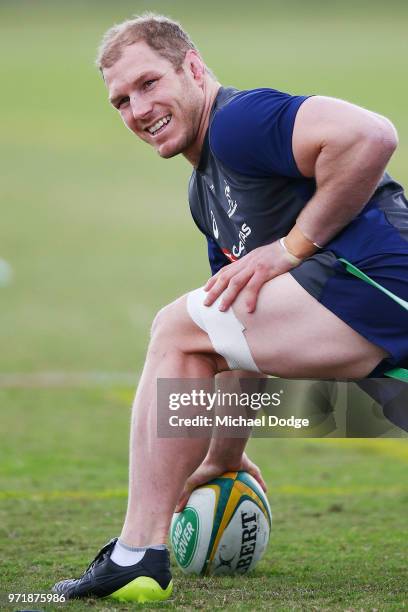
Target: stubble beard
<point x="191" y="121"/>
<point x="176" y="150"/>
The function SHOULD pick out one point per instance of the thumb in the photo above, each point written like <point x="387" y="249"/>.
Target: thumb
<point x="196" y="479"/>
<point x="183" y="499"/>
<point x="184" y="496"/>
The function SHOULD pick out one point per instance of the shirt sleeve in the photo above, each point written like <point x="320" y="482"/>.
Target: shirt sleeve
<point x="216" y="257"/>
<point x="252" y="134"/>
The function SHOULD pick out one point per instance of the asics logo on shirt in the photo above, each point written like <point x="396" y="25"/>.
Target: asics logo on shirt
<point x="232" y="204"/>
<point x="214" y="224"/>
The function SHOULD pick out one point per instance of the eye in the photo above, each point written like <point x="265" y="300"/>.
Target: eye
<point x="148" y="84"/>
<point x="122" y="102"/>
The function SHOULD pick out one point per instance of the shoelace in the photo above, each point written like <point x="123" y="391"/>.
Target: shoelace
<point x="101" y="554"/>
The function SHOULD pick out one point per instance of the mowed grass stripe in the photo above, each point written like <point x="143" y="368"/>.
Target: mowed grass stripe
<point x="396" y="449"/>
<point x="48" y="380"/>
<point x="287" y="489"/>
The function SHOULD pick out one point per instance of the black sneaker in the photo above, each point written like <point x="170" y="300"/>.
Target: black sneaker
<point x="148" y="580"/>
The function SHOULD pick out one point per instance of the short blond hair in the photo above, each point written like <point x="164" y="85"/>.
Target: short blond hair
<point x="161" y="33"/>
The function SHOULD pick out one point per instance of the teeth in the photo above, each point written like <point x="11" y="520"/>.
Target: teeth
<point x="163" y="121"/>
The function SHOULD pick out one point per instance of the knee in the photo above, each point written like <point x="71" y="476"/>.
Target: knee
<point x="174" y="331"/>
<point x="167" y="325"/>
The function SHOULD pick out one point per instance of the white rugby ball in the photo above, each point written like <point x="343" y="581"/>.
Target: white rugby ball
<point x="224" y="528"/>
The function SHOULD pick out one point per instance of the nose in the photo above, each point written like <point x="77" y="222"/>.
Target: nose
<point x="141" y="107"/>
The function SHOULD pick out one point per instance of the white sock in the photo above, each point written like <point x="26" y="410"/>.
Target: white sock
<point x="126" y="555"/>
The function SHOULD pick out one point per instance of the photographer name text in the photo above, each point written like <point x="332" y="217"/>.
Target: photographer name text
<point x="239" y="421"/>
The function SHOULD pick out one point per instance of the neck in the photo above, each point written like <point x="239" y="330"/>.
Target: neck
<point x="193" y="154"/>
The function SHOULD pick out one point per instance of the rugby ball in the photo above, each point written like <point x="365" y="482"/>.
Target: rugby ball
<point x="224" y="528"/>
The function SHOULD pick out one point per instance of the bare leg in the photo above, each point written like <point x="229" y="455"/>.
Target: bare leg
<point x="159" y="467"/>
<point x="290" y="335"/>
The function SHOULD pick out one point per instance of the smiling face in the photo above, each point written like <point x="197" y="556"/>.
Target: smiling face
<point x="157" y="103"/>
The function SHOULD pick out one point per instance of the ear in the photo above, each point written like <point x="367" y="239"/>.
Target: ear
<point x="195" y="65"/>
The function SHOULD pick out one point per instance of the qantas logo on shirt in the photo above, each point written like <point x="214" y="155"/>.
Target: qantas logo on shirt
<point x="232" y="204"/>
<point x="228" y="254"/>
<point x="237" y="250"/>
<point x="244" y="232"/>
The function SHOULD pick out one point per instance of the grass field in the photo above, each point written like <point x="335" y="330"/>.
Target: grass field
<point x="97" y="231"/>
<point x="339" y="533"/>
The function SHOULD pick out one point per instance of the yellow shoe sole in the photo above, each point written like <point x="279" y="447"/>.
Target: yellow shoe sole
<point x="141" y="590"/>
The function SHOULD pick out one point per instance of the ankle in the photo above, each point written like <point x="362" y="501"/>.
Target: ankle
<point x="133" y="539"/>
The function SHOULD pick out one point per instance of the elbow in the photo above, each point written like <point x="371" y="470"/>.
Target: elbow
<point x="381" y="138"/>
<point x="388" y="137"/>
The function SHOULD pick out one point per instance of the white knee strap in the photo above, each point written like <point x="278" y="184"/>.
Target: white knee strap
<point x="224" y="330"/>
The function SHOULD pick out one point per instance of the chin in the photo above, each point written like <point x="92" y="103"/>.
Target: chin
<point x="166" y="151"/>
<point x="174" y="146"/>
<point x="167" y="154"/>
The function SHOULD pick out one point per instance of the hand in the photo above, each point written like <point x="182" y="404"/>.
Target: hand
<point x="210" y="469"/>
<point x="247" y="275"/>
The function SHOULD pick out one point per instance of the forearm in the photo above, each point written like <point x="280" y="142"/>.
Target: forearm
<point x="346" y="149"/>
<point x="225" y="450"/>
<point x="345" y="180"/>
<point x="225" y="454"/>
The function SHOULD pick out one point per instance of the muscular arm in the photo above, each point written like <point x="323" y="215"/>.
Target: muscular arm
<point x="346" y="149"/>
<point x="225" y="454"/>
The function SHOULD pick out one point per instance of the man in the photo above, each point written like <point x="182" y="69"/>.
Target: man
<point x="282" y="187"/>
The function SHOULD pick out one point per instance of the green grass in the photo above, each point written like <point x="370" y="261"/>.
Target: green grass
<point x="339" y="509"/>
<point x="98" y="232"/>
<point x="95" y="225"/>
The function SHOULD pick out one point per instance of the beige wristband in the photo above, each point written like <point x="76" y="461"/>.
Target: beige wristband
<point x="290" y="256"/>
<point x="300" y="246"/>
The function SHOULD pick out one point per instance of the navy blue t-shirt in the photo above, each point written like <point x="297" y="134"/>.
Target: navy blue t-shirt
<point x="252" y="134"/>
<point x="248" y="192"/>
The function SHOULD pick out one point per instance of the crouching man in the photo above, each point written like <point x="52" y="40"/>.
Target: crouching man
<point x="282" y="187"/>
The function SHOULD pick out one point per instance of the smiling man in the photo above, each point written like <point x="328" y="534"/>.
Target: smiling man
<point x="282" y="187"/>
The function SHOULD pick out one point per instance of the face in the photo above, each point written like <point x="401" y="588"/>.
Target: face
<point x="161" y="106"/>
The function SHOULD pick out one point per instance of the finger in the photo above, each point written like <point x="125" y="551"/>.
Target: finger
<point x="235" y="285"/>
<point x="211" y="282"/>
<point x="253" y="288"/>
<point x="262" y="482"/>
<point x="256" y="473"/>
<point x="230" y="268"/>
<point x="216" y="290"/>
